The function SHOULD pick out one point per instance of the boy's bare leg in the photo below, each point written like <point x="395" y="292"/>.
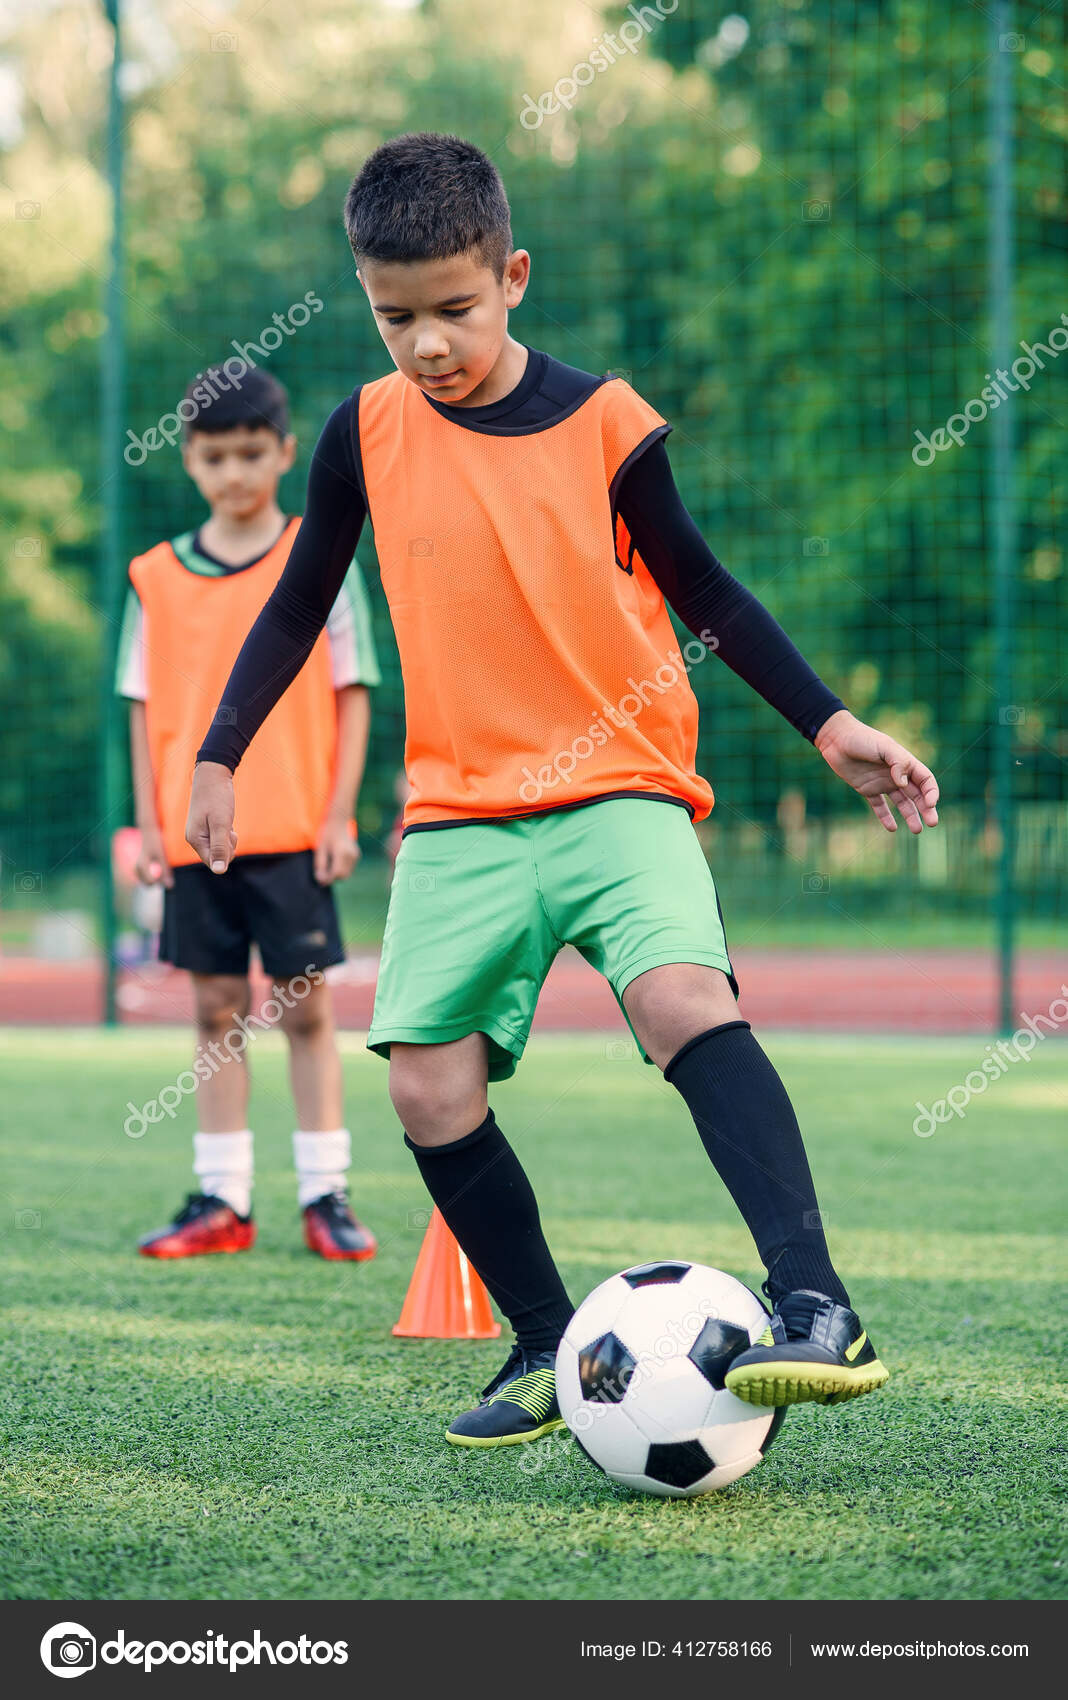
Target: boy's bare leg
<point x="440" y="1091"/>
<point x="222" y="1099"/>
<point x="322" y="1147"/>
<point x="314" y="1061"/>
<point x="672" y="1004"/>
<point x="222" y="1144"/>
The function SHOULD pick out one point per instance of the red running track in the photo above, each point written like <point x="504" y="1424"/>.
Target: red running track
<point x="924" y="991"/>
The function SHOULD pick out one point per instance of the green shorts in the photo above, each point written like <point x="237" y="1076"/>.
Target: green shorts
<point x="477" y="914"/>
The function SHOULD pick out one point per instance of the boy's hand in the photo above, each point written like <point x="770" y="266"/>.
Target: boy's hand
<point x="336" y="853"/>
<point x="209" y="827"/>
<point x="881" y="770"/>
<point x="152" y="867"/>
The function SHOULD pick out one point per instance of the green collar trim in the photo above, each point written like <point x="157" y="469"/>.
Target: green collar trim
<point x="195" y="562"/>
<point x="192" y="559"/>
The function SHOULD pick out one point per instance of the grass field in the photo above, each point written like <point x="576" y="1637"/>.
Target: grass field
<point x="246" y="1427"/>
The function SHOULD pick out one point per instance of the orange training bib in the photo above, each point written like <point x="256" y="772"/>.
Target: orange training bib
<point x="194" y="626"/>
<point x="537" y="670"/>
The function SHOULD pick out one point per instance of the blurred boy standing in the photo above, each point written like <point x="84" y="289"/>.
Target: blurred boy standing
<point x="190" y="601"/>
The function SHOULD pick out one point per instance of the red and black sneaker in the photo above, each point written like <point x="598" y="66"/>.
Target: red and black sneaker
<point x="332" y="1230"/>
<point x="204" y="1223"/>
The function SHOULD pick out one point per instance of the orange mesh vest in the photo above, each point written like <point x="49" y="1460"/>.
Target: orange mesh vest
<point x="538" y="670"/>
<point x="194" y="626"/>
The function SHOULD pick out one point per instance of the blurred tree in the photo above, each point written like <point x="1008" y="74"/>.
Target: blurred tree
<point x="775" y="221"/>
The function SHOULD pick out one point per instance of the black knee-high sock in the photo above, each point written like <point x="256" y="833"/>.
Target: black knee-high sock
<point x="748" y="1127"/>
<point x="481" y="1189"/>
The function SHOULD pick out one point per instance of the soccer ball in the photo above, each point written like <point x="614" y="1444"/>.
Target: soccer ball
<point x="640" y="1379"/>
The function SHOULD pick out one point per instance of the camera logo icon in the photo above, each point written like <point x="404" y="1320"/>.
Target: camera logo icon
<point x="68" y="1649"/>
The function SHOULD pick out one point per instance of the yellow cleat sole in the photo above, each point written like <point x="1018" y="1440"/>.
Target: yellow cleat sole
<point x="505" y="1439"/>
<point x="787" y="1383"/>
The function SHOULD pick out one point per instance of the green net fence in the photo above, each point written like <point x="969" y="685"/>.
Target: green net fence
<point x="777" y="222"/>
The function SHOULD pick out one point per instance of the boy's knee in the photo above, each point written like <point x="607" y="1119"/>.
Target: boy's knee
<point x="306" y="1018"/>
<point x="220" y="999"/>
<point x="433" y="1110"/>
<point x="669" y="1005"/>
<point x="417" y="1098"/>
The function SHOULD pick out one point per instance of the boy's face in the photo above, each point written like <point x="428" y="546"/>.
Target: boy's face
<point x="237" y="471"/>
<point x="445" y="322"/>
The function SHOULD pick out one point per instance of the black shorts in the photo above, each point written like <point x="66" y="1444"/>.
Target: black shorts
<point x="210" y="920"/>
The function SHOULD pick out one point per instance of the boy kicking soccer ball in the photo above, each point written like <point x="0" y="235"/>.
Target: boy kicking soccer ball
<point x="190" y="600"/>
<point x="530" y="537"/>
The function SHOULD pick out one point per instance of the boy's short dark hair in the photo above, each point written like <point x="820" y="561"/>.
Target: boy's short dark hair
<point x="427" y="197"/>
<point x="225" y="399"/>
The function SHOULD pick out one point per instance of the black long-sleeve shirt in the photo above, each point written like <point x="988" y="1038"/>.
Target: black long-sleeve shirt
<point x="702" y="592"/>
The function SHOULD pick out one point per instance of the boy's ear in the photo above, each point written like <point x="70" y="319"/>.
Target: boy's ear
<point x="516" y="277"/>
<point x="288" y="447"/>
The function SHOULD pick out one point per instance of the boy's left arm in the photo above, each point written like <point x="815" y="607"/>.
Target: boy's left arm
<point x="337" y="851"/>
<point x="727" y="617"/>
<point x="880" y="770"/>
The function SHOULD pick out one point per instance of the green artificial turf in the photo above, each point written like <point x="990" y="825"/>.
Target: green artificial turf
<point x="246" y="1427"/>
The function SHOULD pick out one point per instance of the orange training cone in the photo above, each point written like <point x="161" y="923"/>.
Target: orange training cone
<point x="445" y="1300"/>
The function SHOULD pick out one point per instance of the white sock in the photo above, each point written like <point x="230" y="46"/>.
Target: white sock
<point x="222" y="1163"/>
<point x="322" y="1161"/>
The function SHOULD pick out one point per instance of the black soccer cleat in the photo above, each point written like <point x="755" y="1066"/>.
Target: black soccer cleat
<point x="812" y="1350"/>
<point x="333" y="1231"/>
<point x="519" y="1404"/>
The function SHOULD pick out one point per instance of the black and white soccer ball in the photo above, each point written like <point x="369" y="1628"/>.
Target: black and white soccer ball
<point x="640" y="1379"/>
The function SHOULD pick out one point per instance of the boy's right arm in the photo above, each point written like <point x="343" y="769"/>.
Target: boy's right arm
<point x="152" y="865"/>
<point x="282" y="638"/>
<point x="209" y="827"/>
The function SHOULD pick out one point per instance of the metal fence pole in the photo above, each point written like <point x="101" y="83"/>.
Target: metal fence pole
<point x="1004" y="48"/>
<point x="112" y="384"/>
